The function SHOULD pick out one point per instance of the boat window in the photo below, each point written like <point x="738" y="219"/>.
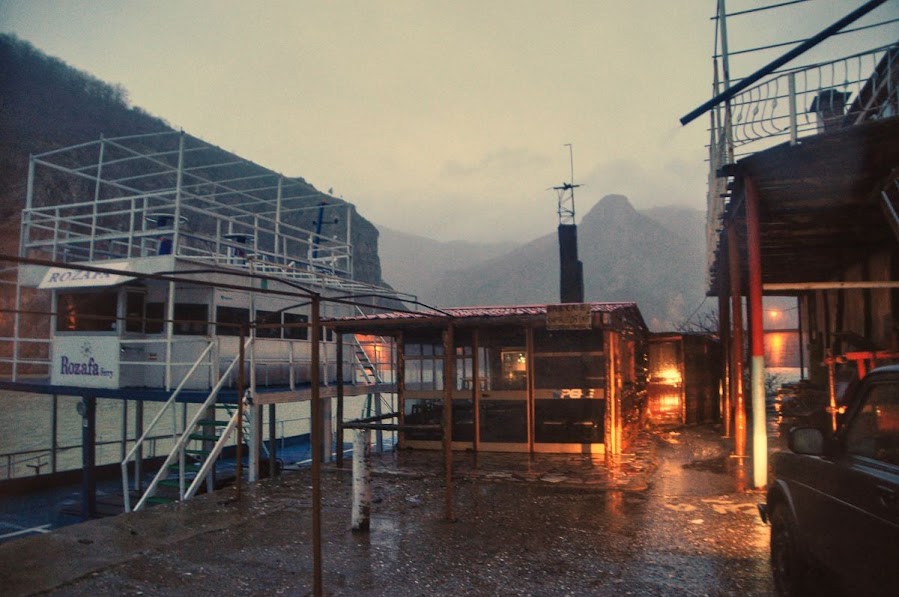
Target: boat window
<point x="298" y="332"/>
<point x="135" y="315"/>
<point x="191" y="319"/>
<point x="228" y="320"/>
<point x="86" y="311"/>
<point x="268" y="323"/>
<point x="155" y="322"/>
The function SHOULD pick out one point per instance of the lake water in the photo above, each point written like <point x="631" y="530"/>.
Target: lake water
<point x="26" y="429"/>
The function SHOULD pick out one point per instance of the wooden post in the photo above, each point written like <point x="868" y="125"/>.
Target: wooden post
<point x="339" y="441"/>
<point x="361" y="513"/>
<point x="529" y="385"/>
<point x="401" y="386"/>
<point x="315" y="443"/>
<point x="724" y="335"/>
<point x="449" y="378"/>
<point x="476" y="388"/>
<point x="736" y="300"/>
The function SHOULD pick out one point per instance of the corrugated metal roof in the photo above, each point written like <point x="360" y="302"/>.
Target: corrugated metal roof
<point x="482" y="312"/>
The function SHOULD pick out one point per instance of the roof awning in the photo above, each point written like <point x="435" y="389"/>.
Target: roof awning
<point x="61" y="277"/>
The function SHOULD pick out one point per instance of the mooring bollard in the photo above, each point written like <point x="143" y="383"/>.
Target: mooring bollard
<point x="362" y="480"/>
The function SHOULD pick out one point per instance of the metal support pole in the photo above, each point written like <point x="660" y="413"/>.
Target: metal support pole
<point x="139" y="456"/>
<point x="339" y="440"/>
<point x="95" y="209"/>
<point x="736" y="352"/>
<point x="361" y="513"/>
<point x="316" y="441"/>
<point x="791" y="102"/>
<point x="54" y="433"/>
<point x="272" y="442"/>
<point x="240" y="406"/>
<point x="179" y="180"/>
<point x="169" y="333"/>
<point x="759" y="428"/>
<point x="124" y="450"/>
<point x="725" y="63"/>
<point x="254" y="442"/>
<point x="449" y="378"/>
<point x="88" y="410"/>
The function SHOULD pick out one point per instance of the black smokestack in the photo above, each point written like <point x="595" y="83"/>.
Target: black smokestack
<point x="571" y="278"/>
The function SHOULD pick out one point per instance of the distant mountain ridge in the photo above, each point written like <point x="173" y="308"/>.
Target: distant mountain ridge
<point x="654" y="258"/>
<point x="415" y="264"/>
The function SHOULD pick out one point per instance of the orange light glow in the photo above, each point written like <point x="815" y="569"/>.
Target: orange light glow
<point x="671" y="375"/>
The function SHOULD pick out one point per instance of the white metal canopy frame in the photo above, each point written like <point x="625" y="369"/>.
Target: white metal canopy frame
<point x="171" y="193"/>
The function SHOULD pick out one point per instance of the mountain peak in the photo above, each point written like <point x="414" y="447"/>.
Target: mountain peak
<point x="611" y="209"/>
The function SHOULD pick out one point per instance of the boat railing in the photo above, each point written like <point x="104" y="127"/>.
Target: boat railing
<point x="105" y="229"/>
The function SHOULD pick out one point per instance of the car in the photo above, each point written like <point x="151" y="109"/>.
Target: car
<point x="833" y="504"/>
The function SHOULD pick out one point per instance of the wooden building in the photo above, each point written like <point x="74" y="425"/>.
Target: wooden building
<point x="684" y="379"/>
<point x="803" y="203"/>
<point x="539" y="378"/>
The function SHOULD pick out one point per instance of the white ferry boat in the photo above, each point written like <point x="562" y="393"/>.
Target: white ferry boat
<point x="154" y="255"/>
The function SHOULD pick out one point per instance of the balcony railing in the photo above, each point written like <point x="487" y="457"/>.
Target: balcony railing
<point x="814" y="99"/>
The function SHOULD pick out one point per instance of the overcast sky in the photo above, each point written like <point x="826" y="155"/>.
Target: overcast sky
<point x="446" y="119"/>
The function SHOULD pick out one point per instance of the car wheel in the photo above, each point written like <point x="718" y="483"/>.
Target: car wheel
<point x="791" y="571"/>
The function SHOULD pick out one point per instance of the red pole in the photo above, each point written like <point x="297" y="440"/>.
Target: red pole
<point x="736" y="353"/>
<point x="759" y="429"/>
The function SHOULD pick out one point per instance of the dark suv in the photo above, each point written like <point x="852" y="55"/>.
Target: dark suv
<point x="834" y="503"/>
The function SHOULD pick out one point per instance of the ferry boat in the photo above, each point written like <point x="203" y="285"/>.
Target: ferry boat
<point x="164" y="263"/>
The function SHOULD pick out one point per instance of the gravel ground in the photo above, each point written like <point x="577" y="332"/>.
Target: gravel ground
<point x="673" y="519"/>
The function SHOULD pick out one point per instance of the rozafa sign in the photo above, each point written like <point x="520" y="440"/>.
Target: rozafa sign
<point x="569" y="316"/>
<point x="60" y="277"/>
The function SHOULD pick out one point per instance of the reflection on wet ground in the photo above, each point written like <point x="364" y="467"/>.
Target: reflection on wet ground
<point x="666" y="519"/>
<point x="629" y="471"/>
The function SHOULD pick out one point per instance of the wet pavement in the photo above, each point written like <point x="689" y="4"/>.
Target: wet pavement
<point x="673" y="518"/>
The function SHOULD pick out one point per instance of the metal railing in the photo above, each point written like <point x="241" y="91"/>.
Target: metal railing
<point x="815" y="99"/>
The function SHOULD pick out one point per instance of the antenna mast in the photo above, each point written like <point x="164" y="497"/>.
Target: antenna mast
<point x="565" y="192"/>
<point x="571" y="270"/>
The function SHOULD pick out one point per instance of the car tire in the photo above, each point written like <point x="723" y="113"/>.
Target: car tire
<point x="788" y="564"/>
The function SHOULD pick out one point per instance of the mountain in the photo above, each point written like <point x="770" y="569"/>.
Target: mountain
<point x="627" y="256"/>
<point x="415" y="264"/>
<point x="685" y="222"/>
<point x="45" y="104"/>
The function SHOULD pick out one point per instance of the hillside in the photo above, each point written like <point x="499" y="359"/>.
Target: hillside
<point x="416" y="264"/>
<point x="627" y="256"/>
<point x="45" y="104"/>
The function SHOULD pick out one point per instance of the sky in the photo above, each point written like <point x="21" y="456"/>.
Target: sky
<point x="450" y="120"/>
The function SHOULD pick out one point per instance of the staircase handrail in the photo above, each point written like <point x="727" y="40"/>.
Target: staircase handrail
<point x="185" y="437"/>
<point x="209" y="463"/>
<point x="140" y="441"/>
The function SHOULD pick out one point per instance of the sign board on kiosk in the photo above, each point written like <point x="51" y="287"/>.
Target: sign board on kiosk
<point x="569" y="316"/>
